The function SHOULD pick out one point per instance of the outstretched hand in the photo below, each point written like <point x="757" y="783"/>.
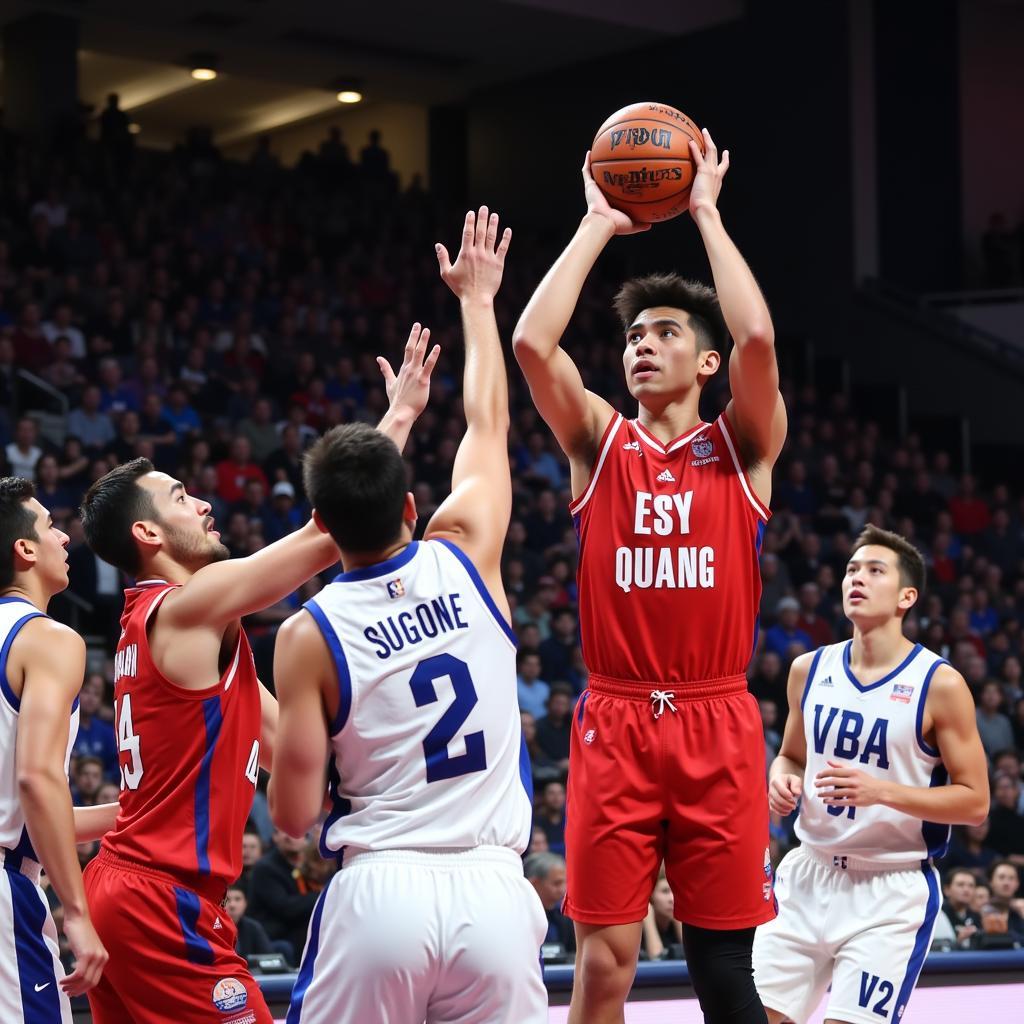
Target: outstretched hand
<point x="707" y="180"/>
<point x="476" y="272"/>
<point x="409" y="389"/>
<point x="597" y="203"/>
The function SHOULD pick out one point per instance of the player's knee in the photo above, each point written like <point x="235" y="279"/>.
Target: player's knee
<point x="607" y="965"/>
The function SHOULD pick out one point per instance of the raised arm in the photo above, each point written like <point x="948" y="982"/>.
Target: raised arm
<point x="576" y="416"/>
<point x="476" y="513"/>
<point x="409" y="389"/>
<point x="949" y="719"/>
<point x="786" y="775"/>
<point x="50" y="659"/>
<point x="756" y="411"/>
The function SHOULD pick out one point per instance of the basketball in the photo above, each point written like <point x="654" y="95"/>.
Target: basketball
<point x="640" y="160"/>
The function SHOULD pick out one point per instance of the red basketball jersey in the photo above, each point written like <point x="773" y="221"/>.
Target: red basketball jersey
<point x="189" y="758"/>
<point x="669" y="582"/>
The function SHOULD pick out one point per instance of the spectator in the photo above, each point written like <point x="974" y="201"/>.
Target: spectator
<point x="116" y="397"/>
<point x="252" y="851"/>
<point x="95" y="739"/>
<point x="260" y="430"/>
<point x="1007" y="829"/>
<point x="252" y="938"/>
<point x="970" y="513"/>
<point x="278" y="902"/>
<point x="994" y="727"/>
<point x="769" y="719"/>
<point x="57" y="499"/>
<point x="542" y="767"/>
<point x="89" y="423"/>
<point x="969" y="847"/>
<point x="661" y="931"/>
<point x="88" y="779"/>
<point x="958" y="888"/>
<point x="533" y="691"/>
<point x="810" y="621"/>
<point x="232" y="473"/>
<point x="546" y="873"/>
<point x="1004" y="882"/>
<point x="283" y="516"/>
<point x="557" y="651"/>
<point x="785" y="638"/>
<point x="551" y="814"/>
<point x="555" y="728"/>
<point x="61" y="326"/>
<point x="24" y="451"/>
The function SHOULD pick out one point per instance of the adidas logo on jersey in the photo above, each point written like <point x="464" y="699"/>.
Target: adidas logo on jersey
<point x="666" y="477"/>
<point x="631" y="446"/>
<point x="827" y="681"/>
<point x="216" y="923"/>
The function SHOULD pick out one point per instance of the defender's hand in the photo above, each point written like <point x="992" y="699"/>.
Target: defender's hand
<point x="707" y="180"/>
<point x="90" y="956"/>
<point x="476" y="272"/>
<point x="597" y="203"/>
<point x="783" y="793"/>
<point x="410" y="389"/>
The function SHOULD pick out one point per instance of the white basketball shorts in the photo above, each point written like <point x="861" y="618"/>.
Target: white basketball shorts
<point x="865" y="932"/>
<point x="407" y="936"/>
<point x="30" y="966"/>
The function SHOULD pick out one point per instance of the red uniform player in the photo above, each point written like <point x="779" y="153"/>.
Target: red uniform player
<point x="667" y="757"/>
<point x="193" y="726"/>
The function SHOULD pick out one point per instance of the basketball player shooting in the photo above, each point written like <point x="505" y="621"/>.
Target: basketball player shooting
<point x="667" y="751"/>
<point x="401" y="676"/>
<point x="194" y="725"/>
<point x="876" y="727"/>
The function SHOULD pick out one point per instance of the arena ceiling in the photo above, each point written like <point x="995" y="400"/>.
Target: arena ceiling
<point x="278" y="59"/>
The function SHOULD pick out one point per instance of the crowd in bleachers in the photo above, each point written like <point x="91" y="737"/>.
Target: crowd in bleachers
<point x="217" y="316"/>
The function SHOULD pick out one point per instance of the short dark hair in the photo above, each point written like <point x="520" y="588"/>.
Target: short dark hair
<point x="696" y="299"/>
<point x="237" y="887"/>
<point x="947" y="879"/>
<point x="355" y="479"/>
<point x="995" y="866"/>
<point x="16" y="522"/>
<point x="909" y="559"/>
<point x="109" y="508"/>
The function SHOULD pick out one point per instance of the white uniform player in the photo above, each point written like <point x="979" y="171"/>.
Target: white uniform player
<point x="859" y="898"/>
<point x="401" y="674"/>
<point x="30" y="966"/>
<point x="430" y="781"/>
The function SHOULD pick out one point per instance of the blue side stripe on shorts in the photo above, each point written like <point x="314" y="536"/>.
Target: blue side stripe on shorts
<point x="305" y="978"/>
<point x="922" y="941"/>
<point x="35" y="961"/>
<point x="212" y="720"/>
<point x="197" y="949"/>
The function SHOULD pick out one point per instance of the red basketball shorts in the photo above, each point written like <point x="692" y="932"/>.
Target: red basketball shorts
<point x="674" y="773"/>
<point x="172" y="952"/>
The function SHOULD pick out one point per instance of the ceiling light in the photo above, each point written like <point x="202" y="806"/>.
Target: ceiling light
<point x="349" y="96"/>
<point x="204" y="74"/>
<point x="134" y="128"/>
<point x="203" y="65"/>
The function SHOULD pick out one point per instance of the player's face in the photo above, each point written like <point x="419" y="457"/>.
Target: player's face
<point x="51" y="549"/>
<point x="872" y="588"/>
<point x="660" y="359"/>
<point x="188" y="530"/>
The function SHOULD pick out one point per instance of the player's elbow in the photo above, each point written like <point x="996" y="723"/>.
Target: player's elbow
<point x="525" y="345"/>
<point x="293" y="820"/>
<point x="35" y="784"/>
<point x="757" y="337"/>
<point x="979" y="810"/>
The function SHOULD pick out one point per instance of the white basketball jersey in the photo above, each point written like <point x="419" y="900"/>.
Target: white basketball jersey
<point x="427" y="744"/>
<point x="877" y="729"/>
<point x="14" y="613"/>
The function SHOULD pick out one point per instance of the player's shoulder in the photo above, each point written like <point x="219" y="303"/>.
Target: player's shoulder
<point x="946" y="682"/>
<point x="45" y="635"/>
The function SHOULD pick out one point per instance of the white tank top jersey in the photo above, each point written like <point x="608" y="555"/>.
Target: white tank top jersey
<point x="427" y="744"/>
<point x="877" y="729"/>
<point x="15" y="612"/>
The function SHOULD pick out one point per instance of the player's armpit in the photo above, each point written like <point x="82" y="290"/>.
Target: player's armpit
<point x="303" y="674"/>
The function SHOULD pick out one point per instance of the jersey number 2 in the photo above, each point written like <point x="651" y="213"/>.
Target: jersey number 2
<point x="440" y="765"/>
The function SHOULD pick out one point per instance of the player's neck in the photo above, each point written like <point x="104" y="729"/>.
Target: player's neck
<point x="879" y="646"/>
<point x="673" y="419"/>
<point x="29" y="589"/>
<point x="164" y="568"/>
<point x="362" y="559"/>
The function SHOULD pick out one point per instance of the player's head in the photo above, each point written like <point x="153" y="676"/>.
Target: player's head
<point x="884" y="577"/>
<point x="134" y="513"/>
<point x="357" y="484"/>
<point x="29" y="542"/>
<point x="674" y="336"/>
